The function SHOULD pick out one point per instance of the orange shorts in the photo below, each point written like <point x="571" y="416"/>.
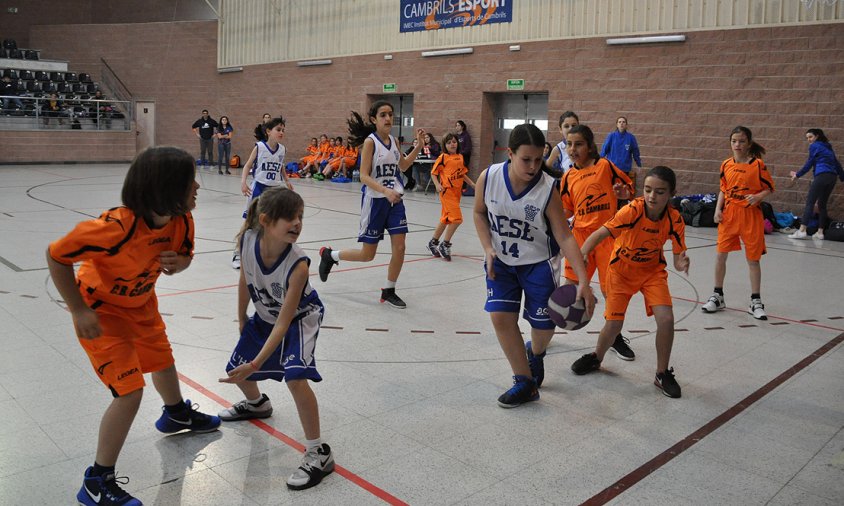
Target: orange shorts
<point x="133" y="342"/>
<point x="450" y="200"/>
<point x="623" y="282"/>
<point x="598" y="259"/>
<point x="744" y="224"/>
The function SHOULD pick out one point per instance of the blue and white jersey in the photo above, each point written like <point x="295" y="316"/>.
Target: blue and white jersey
<point x="564" y="163"/>
<point x="520" y="231"/>
<point x="385" y="167"/>
<point x="268" y="283"/>
<point x="269" y="165"/>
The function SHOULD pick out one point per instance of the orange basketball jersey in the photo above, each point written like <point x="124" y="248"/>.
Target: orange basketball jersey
<point x="588" y="193"/>
<point x="639" y="241"/>
<point x="739" y="180"/>
<point x="120" y="254"/>
<point x="451" y="170"/>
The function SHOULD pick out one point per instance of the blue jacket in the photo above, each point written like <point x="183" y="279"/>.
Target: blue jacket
<point x="822" y="158"/>
<point x="620" y="149"/>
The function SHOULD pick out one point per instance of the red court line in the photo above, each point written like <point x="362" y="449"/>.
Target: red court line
<point x="289" y="441"/>
<point x="637" y="475"/>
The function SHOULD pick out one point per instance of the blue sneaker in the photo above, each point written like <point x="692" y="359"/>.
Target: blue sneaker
<point x="523" y="390"/>
<point x="196" y="422"/>
<point x="537" y="365"/>
<point x="104" y="491"/>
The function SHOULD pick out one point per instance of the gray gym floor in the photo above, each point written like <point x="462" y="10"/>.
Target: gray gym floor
<point x="409" y="398"/>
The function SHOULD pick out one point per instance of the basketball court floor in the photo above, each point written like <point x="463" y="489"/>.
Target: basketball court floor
<point x="408" y="402"/>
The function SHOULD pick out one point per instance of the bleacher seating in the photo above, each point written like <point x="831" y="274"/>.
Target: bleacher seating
<point x="75" y="91"/>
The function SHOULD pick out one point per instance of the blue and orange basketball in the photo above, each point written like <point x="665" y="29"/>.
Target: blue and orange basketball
<point x="565" y="310"/>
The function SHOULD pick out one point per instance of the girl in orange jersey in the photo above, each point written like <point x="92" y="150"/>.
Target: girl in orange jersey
<point x="313" y="163"/>
<point x="640" y="229"/>
<point x="312" y="150"/>
<point x="348" y="160"/>
<point x="589" y="192"/>
<point x="448" y="175"/>
<point x="332" y="165"/>
<point x="115" y="310"/>
<point x="745" y="182"/>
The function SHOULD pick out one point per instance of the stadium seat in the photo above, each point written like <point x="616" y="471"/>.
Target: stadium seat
<point x="65" y="87"/>
<point x="12" y="73"/>
<point x="80" y="87"/>
<point x="71" y="77"/>
<point x="10" y="44"/>
<point x="41" y="75"/>
<point x="30" y="54"/>
<point x="57" y="76"/>
<point x="85" y="78"/>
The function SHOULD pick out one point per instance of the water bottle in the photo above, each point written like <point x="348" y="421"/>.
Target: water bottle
<point x="356" y="175"/>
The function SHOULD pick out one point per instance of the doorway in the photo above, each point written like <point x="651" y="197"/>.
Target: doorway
<point x="144" y="125"/>
<point x="511" y="109"/>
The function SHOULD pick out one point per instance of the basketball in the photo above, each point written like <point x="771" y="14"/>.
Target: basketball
<point x="566" y="312"/>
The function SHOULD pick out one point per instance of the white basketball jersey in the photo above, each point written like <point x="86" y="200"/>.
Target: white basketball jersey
<point x="385" y="167"/>
<point x="269" y="165"/>
<point x="518" y="226"/>
<point x="564" y="161"/>
<point x="268" y="284"/>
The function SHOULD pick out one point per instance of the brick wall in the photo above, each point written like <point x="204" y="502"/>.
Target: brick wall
<point x="28" y="146"/>
<point x="681" y="100"/>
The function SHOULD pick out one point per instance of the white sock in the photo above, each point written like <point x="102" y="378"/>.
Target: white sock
<point x="255" y="401"/>
<point x="390" y="284"/>
<point x="313" y="443"/>
<point x="335" y="255"/>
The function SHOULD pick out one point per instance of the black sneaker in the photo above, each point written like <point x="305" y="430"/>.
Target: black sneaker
<point x="325" y="263"/>
<point x="433" y="247"/>
<point x="537" y="365"/>
<point x="104" y="491"/>
<point x="195" y="421"/>
<point x="317" y="463"/>
<point x="389" y="296"/>
<point x="621" y="348"/>
<point x="445" y="251"/>
<point x="586" y="364"/>
<point x="523" y="390"/>
<point x="665" y="381"/>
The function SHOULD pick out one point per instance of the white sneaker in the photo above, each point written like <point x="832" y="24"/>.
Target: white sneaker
<point x="236" y="261"/>
<point x="818" y="235"/>
<point x="245" y="410"/>
<point x="799" y="234"/>
<point x="715" y="303"/>
<point x="317" y="463"/>
<point x="757" y="309"/>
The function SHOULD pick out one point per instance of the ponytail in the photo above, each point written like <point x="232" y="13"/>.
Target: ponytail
<point x="251" y="220"/>
<point x="755" y="150"/>
<point x="359" y="129"/>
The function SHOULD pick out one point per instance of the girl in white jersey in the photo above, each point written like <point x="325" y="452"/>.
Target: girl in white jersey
<point x="266" y="164"/>
<point x="519" y="218"/>
<point x="278" y="341"/>
<point x="558" y="162"/>
<point x="382" y="208"/>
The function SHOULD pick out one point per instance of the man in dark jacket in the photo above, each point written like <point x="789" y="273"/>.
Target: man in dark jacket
<point x="204" y="129"/>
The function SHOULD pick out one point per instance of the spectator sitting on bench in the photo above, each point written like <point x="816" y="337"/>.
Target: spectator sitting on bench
<point x="53" y="108"/>
<point x="10" y="92"/>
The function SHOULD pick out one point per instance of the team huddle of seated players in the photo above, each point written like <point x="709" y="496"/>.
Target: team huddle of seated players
<point x="328" y="158"/>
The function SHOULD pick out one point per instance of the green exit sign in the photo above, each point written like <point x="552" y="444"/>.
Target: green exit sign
<point x="515" y="84"/>
<point x="389" y="87"/>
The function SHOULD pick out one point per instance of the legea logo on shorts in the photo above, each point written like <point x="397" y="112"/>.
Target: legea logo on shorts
<point x="127" y="373"/>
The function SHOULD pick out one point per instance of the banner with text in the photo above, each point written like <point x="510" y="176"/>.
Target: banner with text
<point x="418" y="15"/>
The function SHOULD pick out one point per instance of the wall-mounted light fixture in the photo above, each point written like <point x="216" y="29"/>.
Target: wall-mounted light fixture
<point x="313" y="63"/>
<point x="388" y="57"/>
<point x="448" y="52"/>
<point x="515" y="48"/>
<point x="227" y="70"/>
<point x="651" y="39"/>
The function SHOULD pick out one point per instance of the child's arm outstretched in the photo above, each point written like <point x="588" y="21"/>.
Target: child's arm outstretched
<point x="246" y="168"/>
<point x="295" y="286"/>
<point x="405" y="161"/>
<point x="482" y="226"/>
<point x="568" y="245"/>
<point x="85" y="320"/>
<point x="593" y="241"/>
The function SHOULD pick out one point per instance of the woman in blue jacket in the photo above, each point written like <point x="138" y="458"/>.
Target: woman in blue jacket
<point x="825" y="169"/>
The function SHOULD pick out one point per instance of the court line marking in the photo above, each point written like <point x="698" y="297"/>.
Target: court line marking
<point x="289" y="441"/>
<point x="640" y="473"/>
